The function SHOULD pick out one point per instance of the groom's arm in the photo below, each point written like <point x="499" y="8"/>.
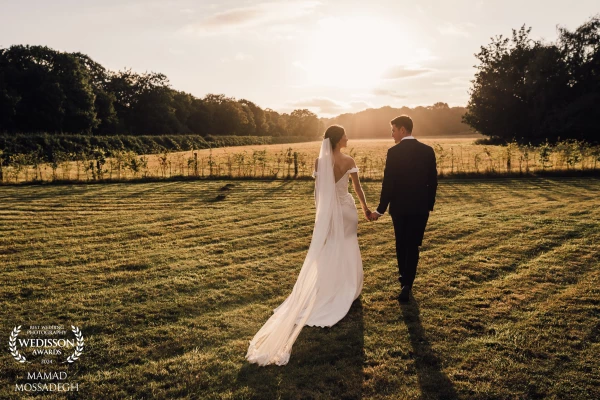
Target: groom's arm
<point x="432" y="181"/>
<point x="386" y="186"/>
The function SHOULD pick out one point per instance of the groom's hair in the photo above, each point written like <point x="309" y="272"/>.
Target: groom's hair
<point x="403" y="121"/>
<point x="334" y="133"/>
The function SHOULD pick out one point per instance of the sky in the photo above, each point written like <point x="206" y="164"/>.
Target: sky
<point x="331" y="57"/>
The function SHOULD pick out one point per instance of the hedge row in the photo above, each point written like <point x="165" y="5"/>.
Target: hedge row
<point x="47" y="145"/>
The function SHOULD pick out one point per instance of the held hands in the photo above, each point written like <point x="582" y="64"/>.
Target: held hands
<point x="371" y="216"/>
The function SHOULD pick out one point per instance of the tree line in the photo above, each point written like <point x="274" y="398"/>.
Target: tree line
<point x="44" y="90"/>
<point x="436" y="120"/>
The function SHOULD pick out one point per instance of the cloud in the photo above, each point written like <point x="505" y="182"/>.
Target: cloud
<point x="323" y="104"/>
<point x="423" y="54"/>
<point x="450" y="29"/>
<point x="423" y="9"/>
<point x="455" y="81"/>
<point x="274" y="13"/>
<point x="363" y="95"/>
<point x="242" y="56"/>
<point x="390" y="93"/>
<point x="399" y="72"/>
<point x="232" y="17"/>
<point x="327" y="106"/>
<point x="299" y="65"/>
<point x="360" y="105"/>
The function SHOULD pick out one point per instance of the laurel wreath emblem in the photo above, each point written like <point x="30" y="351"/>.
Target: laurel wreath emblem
<point x="79" y="349"/>
<point x="12" y="345"/>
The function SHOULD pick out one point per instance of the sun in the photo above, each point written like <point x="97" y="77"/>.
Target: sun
<point x="354" y="52"/>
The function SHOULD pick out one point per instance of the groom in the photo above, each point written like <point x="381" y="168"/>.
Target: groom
<point x="409" y="187"/>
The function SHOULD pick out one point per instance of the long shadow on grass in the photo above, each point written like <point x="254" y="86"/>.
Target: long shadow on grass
<point x="433" y="382"/>
<point x="325" y="363"/>
<point x="267" y="193"/>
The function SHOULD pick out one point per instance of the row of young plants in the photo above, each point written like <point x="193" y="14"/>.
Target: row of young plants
<point x="567" y="155"/>
<point x="452" y="160"/>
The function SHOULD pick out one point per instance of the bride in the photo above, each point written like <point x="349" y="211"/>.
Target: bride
<point x="331" y="277"/>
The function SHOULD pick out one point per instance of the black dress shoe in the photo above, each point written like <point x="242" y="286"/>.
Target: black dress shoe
<point x="404" y="294"/>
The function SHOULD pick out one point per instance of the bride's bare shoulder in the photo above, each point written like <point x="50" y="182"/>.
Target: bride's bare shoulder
<point x="350" y="162"/>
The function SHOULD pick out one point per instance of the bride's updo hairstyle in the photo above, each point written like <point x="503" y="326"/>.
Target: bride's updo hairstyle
<point x="334" y="133"/>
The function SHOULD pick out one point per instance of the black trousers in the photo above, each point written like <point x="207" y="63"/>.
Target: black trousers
<point x="409" y="231"/>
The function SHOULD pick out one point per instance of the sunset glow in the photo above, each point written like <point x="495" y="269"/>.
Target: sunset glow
<point x="355" y="52"/>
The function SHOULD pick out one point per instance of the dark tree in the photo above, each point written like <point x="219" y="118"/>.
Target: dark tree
<point x="440" y="106"/>
<point x="529" y="91"/>
<point x="258" y="116"/>
<point x="200" y="120"/>
<point x="45" y="90"/>
<point x="303" y="123"/>
<point x="581" y="52"/>
<point x="105" y="99"/>
<point x="144" y="103"/>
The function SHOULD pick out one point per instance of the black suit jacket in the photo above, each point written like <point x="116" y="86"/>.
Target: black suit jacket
<point x="409" y="179"/>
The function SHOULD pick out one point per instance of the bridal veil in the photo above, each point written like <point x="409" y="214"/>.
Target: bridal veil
<point x="317" y="280"/>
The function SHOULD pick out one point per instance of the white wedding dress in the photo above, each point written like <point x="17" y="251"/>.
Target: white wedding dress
<point x="331" y="277"/>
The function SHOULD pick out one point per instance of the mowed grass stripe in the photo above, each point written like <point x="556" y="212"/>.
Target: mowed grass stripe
<point x="86" y="207"/>
<point x="492" y="260"/>
<point x="119" y="281"/>
<point x="183" y="228"/>
<point x="188" y="245"/>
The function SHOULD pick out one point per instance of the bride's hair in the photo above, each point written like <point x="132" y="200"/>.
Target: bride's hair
<point x="334" y="133"/>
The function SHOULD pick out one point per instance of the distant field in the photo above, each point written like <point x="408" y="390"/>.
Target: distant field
<point x="455" y="156"/>
<point x="169" y="281"/>
<point x="369" y="155"/>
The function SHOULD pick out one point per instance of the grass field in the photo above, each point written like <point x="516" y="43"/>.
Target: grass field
<point x="169" y="281"/>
